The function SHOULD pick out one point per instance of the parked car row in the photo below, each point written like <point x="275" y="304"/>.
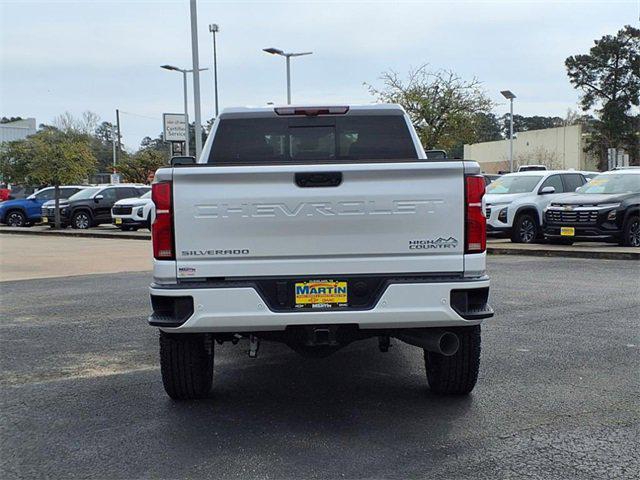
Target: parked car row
<point x="128" y="206"/>
<point x="560" y="206"/>
<point x="27" y="211"/>
<point x="563" y="206"/>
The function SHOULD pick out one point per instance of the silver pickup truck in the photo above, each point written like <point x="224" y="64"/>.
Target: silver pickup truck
<point x="317" y="227"/>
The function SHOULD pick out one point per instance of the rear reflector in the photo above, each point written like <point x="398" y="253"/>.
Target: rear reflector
<point x="311" y="111"/>
<point x="475" y="221"/>
<point x="162" y="228"/>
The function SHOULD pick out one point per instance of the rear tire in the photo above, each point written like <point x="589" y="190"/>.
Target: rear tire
<point x="186" y="363"/>
<point x="631" y="234"/>
<point x="458" y="373"/>
<point x="525" y="229"/>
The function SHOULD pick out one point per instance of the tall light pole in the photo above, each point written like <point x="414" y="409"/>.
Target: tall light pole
<point x="214" y="28"/>
<point x="277" y="51"/>
<point x="510" y="96"/>
<point x="114" y="142"/>
<point x="196" y="75"/>
<point x="186" y="105"/>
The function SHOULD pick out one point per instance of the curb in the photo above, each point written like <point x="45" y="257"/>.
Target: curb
<point x="77" y="234"/>
<point x="491" y="250"/>
<point x="564" y="253"/>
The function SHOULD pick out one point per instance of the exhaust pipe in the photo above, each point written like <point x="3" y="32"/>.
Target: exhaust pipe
<point x="431" y="339"/>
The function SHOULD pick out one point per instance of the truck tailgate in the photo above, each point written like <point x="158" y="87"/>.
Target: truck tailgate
<point x="250" y="221"/>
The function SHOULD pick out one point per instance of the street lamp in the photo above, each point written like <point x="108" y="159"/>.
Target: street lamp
<point x="277" y="51"/>
<point x="510" y="96"/>
<point x="214" y="28"/>
<point x="195" y="65"/>
<point x="186" y="111"/>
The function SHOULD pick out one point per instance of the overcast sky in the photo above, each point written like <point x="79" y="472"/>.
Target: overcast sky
<point x="101" y="55"/>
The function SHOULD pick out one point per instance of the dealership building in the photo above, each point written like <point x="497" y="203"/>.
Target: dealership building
<point x="557" y="148"/>
<point x="17" y="130"/>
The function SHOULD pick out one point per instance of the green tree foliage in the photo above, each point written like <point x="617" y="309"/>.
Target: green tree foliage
<point x="50" y="157"/>
<point x="156" y="144"/>
<point x="446" y="110"/>
<point x="525" y="124"/>
<point x="487" y="127"/>
<point x="609" y="77"/>
<point x="9" y="119"/>
<point x="138" y="167"/>
<point x="97" y="134"/>
<point x="88" y="128"/>
<point x="101" y="143"/>
<point x="13" y="165"/>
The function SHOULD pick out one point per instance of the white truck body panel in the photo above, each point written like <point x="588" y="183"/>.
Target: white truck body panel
<point x="407" y="305"/>
<point x="255" y="221"/>
<point x="237" y="225"/>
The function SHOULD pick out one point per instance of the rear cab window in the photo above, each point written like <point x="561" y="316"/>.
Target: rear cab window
<point x="299" y="139"/>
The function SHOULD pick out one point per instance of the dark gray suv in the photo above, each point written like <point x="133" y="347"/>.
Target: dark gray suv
<point x="92" y="206"/>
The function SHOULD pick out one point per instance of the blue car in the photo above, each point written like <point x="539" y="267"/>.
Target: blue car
<point x="27" y="211"/>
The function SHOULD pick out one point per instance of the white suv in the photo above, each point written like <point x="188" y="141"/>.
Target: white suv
<point x="133" y="213"/>
<point x="515" y="202"/>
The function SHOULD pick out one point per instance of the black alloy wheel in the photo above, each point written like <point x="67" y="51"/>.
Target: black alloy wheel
<point x="81" y="220"/>
<point x="16" y="218"/>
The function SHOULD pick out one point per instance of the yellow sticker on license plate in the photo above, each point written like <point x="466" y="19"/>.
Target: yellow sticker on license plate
<point x="567" y="231"/>
<point x="45" y="220"/>
<point x="118" y="221"/>
<point x="321" y="292"/>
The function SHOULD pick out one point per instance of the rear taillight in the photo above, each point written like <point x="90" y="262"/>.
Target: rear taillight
<point x="162" y="228"/>
<point x="475" y="221"/>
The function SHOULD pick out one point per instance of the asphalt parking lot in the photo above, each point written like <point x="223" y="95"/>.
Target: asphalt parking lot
<point x="558" y="395"/>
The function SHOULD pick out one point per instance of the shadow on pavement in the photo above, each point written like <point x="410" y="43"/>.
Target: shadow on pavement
<point x="356" y="408"/>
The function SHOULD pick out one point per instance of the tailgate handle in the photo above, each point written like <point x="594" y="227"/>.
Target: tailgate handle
<point x="318" y="179"/>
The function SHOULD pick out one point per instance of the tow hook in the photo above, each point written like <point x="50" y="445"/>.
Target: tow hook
<point x="254" y="345"/>
<point x="324" y="335"/>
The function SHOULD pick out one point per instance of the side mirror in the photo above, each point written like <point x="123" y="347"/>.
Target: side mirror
<point x="97" y="198"/>
<point x="176" y="161"/>
<point x="547" y="190"/>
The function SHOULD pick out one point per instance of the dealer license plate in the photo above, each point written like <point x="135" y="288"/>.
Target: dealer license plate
<point x="118" y="221"/>
<point x="321" y="294"/>
<point x="567" y="231"/>
<point x="45" y="220"/>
